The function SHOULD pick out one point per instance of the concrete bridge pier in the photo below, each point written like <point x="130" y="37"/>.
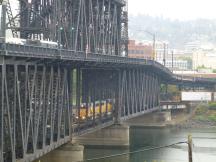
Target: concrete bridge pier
<point x="66" y="153"/>
<point x="116" y="136"/>
<point x="156" y="119"/>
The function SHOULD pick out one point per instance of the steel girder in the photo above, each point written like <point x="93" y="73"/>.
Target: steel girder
<point x="139" y="92"/>
<point x="38" y="102"/>
<point x="95" y="98"/>
<point x="35" y="110"/>
<point x="106" y="61"/>
<point x="41" y="105"/>
<point x="97" y="26"/>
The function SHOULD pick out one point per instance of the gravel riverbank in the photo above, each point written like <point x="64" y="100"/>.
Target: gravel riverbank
<point x="201" y="117"/>
<point x="193" y="123"/>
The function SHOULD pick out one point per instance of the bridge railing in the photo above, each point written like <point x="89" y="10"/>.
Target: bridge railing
<point x="160" y="66"/>
<point x="44" y="52"/>
<point x="31" y="50"/>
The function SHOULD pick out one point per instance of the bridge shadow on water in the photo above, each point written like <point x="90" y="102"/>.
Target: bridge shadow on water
<point x="140" y="138"/>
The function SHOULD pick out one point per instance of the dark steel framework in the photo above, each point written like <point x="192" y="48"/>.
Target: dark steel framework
<point x="139" y="92"/>
<point x="42" y="90"/>
<point x="35" y="109"/>
<point x="42" y="93"/>
<point x="96" y="26"/>
<point x="40" y="106"/>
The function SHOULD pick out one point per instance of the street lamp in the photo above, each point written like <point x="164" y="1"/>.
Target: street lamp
<point x="172" y="60"/>
<point x="153" y="43"/>
<point x="165" y="53"/>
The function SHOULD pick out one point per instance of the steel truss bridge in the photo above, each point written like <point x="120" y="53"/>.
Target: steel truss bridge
<point x="49" y="95"/>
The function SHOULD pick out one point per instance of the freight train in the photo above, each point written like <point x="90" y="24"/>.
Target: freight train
<point x="101" y="108"/>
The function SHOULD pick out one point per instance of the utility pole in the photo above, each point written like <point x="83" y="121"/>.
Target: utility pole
<point x="190" y="156"/>
<point x="154" y="46"/>
<point x="153" y="43"/>
<point x="3" y="21"/>
<point x="164" y="55"/>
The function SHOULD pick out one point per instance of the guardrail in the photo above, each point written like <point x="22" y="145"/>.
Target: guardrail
<point x="31" y="50"/>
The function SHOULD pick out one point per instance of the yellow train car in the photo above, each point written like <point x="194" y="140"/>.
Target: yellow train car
<point x="100" y="108"/>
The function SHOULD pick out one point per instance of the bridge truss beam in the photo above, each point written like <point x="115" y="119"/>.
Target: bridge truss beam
<point x="96" y="26"/>
<point x="35" y="110"/>
<point x="139" y="92"/>
<point x="43" y="105"/>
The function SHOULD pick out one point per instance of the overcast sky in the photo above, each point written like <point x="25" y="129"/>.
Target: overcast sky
<point x="174" y="9"/>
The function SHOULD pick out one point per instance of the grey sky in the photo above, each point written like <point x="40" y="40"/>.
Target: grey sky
<point x="174" y="9"/>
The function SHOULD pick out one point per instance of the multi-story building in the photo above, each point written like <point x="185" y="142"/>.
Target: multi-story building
<point x="190" y="47"/>
<point x="140" y="50"/>
<point x="161" y="50"/>
<point x="204" y="58"/>
<point x="174" y="59"/>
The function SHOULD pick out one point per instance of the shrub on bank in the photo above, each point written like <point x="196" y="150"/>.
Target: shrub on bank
<point x="212" y="118"/>
<point x="200" y="118"/>
<point x="212" y="106"/>
<point x="201" y="109"/>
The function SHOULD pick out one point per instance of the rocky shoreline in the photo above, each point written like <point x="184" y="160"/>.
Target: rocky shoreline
<point x="200" y="117"/>
<point x="193" y="123"/>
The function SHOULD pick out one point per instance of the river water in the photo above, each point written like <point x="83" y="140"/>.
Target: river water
<point x="204" y="143"/>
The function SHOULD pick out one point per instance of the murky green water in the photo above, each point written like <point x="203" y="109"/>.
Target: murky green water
<point x="204" y="141"/>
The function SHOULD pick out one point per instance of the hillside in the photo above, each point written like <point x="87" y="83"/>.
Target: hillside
<point x="175" y="31"/>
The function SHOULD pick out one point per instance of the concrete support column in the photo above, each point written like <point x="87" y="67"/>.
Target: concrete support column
<point x="115" y="136"/>
<point x="189" y="108"/>
<point x="67" y="153"/>
<point x="162" y="116"/>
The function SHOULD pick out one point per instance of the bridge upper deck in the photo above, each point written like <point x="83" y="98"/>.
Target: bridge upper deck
<point x="96" y="60"/>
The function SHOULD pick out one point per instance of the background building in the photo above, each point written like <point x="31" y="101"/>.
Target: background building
<point x="161" y="50"/>
<point x="190" y="47"/>
<point x="204" y="59"/>
<point x="140" y="50"/>
<point x="177" y="64"/>
<point x="173" y="59"/>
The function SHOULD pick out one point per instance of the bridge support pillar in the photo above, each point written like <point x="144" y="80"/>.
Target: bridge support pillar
<point x="162" y="116"/>
<point x="67" y="153"/>
<point x="115" y="136"/>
